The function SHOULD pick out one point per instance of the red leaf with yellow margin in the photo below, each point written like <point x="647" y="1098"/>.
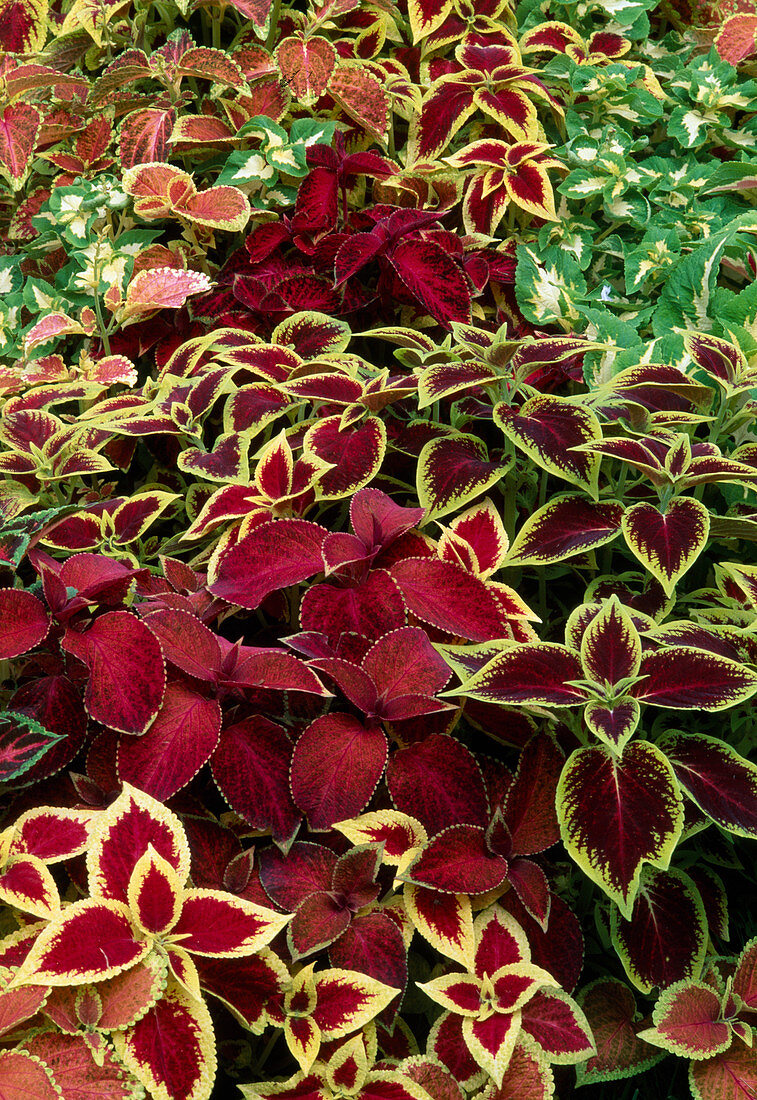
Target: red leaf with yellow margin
<point x="19" y="127"/>
<point x="347" y="1000"/>
<point x="737" y="38"/>
<point x="26" y="883"/>
<point x="121" y="836"/>
<point x="22" y="1075"/>
<point x="222" y="925"/>
<point x="23" y="25"/>
<point x="171" y="1050"/>
<point x="155" y="893"/>
<point x="91" y="940"/>
<point x="362" y="96"/>
<point x="445" y="921"/>
<point x="306" y="64"/>
<point x="51" y="833"/>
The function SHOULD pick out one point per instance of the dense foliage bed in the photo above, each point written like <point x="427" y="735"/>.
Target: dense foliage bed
<point x="378" y="592"/>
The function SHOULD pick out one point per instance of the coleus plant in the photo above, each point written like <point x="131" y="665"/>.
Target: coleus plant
<point x="346" y="349"/>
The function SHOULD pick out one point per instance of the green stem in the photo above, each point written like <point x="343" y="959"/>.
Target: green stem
<point x="266" y="1051"/>
<point x="273" y="24"/>
<point x="103" y="328"/>
<point x="216" y="23"/>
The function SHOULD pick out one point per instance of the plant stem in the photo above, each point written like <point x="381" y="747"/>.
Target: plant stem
<point x="273" y="24"/>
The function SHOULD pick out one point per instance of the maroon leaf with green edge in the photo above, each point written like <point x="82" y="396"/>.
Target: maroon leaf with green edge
<point x="683" y="678"/>
<point x="19" y="127"/>
<point x="24" y="622"/>
<point x="127" y="677"/>
<point x="306" y="64"/>
<point x="145" y="135"/>
<point x="22" y="744"/>
<point x="56" y="704"/>
<point x="447" y="106"/>
<point x="611" y="647"/>
<point x="251" y="769"/>
<point x="445" y="595"/>
<point x="667" y="543"/>
<point x="617" y="813"/>
<point x="745" y="976"/>
<point x="177" y="744"/>
<point x="171" y="1050"/>
<point x="439" y="782"/>
<point x="665" y="938"/>
<point x="559" y="1026"/>
<point x="356" y="454"/>
<point x="273" y="555"/>
<point x="548" y="429"/>
<point x="336" y="765"/>
<point x="613" y="722"/>
<point x="453" y="471"/>
<point x="372" y="945"/>
<point x="310" y="333"/>
<point x="444" y="379"/>
<point x="610" y="1008"/>
<point x="563" y="527"/>
<point x="716" y="778"/>
<point x="688" y="1021"/>
<point x="537" y="672"/>
<point x="457" y="861"/>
